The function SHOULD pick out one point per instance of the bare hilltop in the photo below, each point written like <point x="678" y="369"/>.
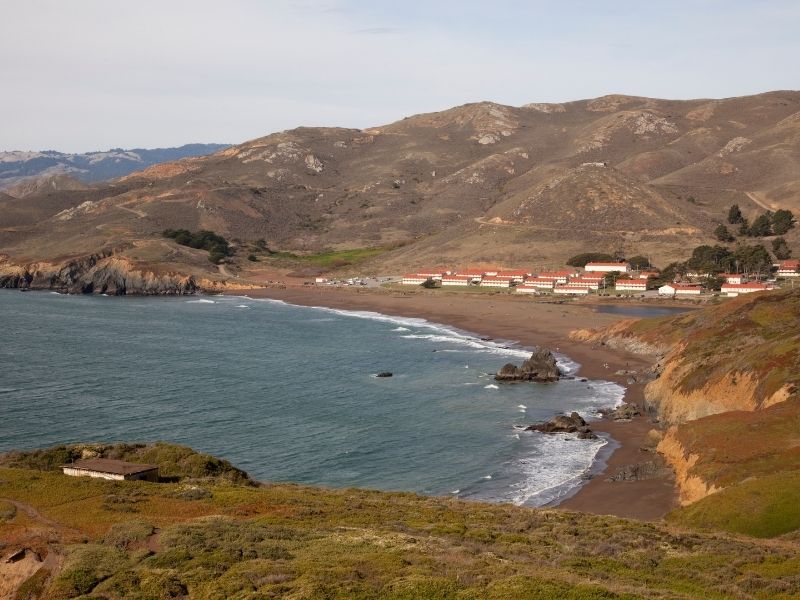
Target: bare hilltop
<point x="480" y="182"/>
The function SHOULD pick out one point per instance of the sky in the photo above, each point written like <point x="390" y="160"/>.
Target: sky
<point x="83" y="75"/>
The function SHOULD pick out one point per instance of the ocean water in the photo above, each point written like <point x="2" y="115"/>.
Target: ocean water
<point x="288" y="393"/>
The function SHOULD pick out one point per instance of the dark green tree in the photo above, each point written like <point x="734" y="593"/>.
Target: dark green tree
<point x="710" y="259"/>
<point x="762" y="226"/>
<point x="722" y="234"/>
<point x="753" y="259"/>
<point x="781" y="249"/>
<point x="782" y="221"/>
<point x="580" y="260"/>
<point x="744" y="227"/>
<point x="735" y="215"/>
<point x="639" y="262"/>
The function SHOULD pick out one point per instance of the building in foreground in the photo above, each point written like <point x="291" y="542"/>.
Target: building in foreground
<point x="734" y="289"/>
<point x="631" y="285"/>
<point x="607" y="267"/>
<point x="414" y="279"/>
<point x="107" y="468"/>
<point x="679" y="289"/>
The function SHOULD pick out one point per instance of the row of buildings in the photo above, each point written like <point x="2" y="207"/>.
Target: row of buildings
<point x="568" y="282"/>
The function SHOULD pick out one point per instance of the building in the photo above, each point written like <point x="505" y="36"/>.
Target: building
<point x="679" y="289"/>
<point x="475" y="275"/>
<point x="498" y="282"/>
<point x="631" y="285"/>
<point x="594" y="277"/>
<point x="789" y="268"/>
<point x="541" y="284"/>
<point x="564" y="289"/>
<point x="557" y="276"/>
<point x="527" y="288"/>
<point x="589" y="282"/>
<point x="620" y="267"/>
<point x="491" y="271"/>
<point x="516" y="276"/>
<point x="648" y="274"/>
<point x="320" y="280"/>
<point x="435" y="274"/>
<point x="734" y="289"/>
<point x="733" y="277"/>
<point x="106" y="468"/>
<point x="414" y="279"/>
<point x="456" y="280"/>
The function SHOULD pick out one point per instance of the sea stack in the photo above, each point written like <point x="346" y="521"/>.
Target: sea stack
<point x="541" y="367"/>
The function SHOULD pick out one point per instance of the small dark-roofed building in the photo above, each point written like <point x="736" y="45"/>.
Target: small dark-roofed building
<point x="107" y="468"/>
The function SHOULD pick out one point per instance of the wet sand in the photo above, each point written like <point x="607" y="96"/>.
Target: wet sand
<point x="531" y="323"/>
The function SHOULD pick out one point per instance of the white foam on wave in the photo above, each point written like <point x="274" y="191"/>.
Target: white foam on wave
<point x="401" y="329"/>
<point x="201" y="301"/>
<point x="522" y="406"/>
<point x="242" y="306"/>
<point x="491" y="386"/>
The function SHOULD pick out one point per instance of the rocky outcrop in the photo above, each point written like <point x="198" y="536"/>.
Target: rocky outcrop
<point x="541" y="367"/>
<point x="101" y="273"/>
<point x="572" y="423"/>
<point x="623" y="412"/>
<point x="619" y="337"/>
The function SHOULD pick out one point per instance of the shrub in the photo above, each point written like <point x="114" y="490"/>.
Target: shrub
<point x="580" y="260"/>
<point x="124" y="535"/>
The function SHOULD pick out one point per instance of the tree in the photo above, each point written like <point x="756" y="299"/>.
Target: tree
<point x="639" y="262"/>
<point x="744" y="227"/>
<point x="753" y="259"/>
<point x="762" y="226"/>
<point x="722" y="234"/>
<point x="781" y="249"/>
<point x="782" y="221"/>
<point x="735" y="215"/>
<point x="580" y="260"/>
<point x="710" y="259"/>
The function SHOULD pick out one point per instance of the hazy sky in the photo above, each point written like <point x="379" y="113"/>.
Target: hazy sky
<point x="84" y="75"/>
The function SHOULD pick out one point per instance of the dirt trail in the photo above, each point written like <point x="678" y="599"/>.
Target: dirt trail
<point x="754" y="198"/>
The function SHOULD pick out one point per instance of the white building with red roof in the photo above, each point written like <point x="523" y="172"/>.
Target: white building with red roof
<point x="456" y="280"/>
<point x="557" y="276"/>
<point x="414" y="279"/>
<point x="734" y="289"/>
<point x="540" y="283"/>
<point x="648" y="274"/>
<point x="631" y="285"/>
<point x="475" y="275"/>
<point x="527" y="288"/>
<point x="493" y="281"/>
<point x="575" y="291"/>
<point x="435" y="274"/>
<point x="517" y="276"/>
<point x="588" y="282"/>
<point x="733" y="277"/>
<point x="789" y="268"/>
<point x="679" y="289"/>
<point x="620" y="267"/>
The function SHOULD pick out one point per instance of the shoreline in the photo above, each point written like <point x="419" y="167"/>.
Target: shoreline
<point x="532" y="324"/>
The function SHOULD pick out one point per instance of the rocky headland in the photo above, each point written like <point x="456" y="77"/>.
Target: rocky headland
<point x="540" y="367"/>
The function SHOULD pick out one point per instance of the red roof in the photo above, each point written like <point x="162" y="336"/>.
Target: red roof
<point x="742" y="286"/>
<point x="516" y="273"/>
<point x="790" y="264"/>
<point x="472" y="272"/>
<point x="608" y="264"/>
<point x="638" y="282"/>
<point x="546" y="274"/>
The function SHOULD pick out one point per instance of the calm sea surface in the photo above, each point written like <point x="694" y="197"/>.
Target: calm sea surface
<point x="288" y="393"/>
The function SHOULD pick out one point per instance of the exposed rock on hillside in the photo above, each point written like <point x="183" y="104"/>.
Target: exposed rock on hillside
<point x="541" y="367"/>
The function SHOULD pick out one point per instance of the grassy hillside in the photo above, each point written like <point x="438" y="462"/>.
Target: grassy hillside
<point x="143" y="540"/>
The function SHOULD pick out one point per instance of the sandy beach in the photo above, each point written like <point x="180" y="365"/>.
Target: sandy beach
<point x="531" y="323"/>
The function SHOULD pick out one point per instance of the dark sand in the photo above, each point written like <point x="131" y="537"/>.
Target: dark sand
<point x="530" y="323"/>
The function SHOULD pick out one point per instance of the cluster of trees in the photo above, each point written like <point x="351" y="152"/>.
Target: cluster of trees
<point x="719" y="259"/>
<point x="636" y="262"/>
<point x="217" y="246"/>
<point x="768" y="223"/>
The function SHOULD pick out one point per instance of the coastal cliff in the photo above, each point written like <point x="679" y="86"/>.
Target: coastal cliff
<point x="723" y="376"/>
<point x="105" y="273"/>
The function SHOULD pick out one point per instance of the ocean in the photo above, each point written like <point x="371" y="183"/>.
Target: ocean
<point x="289" y="393"/>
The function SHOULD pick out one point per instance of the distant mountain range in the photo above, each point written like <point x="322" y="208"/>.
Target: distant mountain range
<point x="90" y="167"/>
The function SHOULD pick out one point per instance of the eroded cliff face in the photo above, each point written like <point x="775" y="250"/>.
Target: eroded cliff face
<point x="102" y="273"/>
<point x="691" y="488"/>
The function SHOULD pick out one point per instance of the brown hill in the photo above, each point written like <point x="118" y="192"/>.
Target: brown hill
<point x="536" y="183"/>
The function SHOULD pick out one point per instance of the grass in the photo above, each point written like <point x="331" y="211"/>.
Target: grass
<point x="333" y="259"/>
<point x="304" y="542"/>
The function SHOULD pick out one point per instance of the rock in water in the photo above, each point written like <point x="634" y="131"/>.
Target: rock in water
<point x="384" y="374"/>
<point x="572" y="423"/>
<point x="541" y="367"/>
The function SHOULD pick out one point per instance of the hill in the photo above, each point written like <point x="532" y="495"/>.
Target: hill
<point x="481" y="182"/>
<point x="88" y="538"/>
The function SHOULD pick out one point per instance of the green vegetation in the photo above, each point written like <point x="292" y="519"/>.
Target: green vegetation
<point x="781" y="249"/>
<point x="174" y="462"/>
<point x="761" y="226"/>
<point x="782" y="221"/>
<point x="302" y="542"/>
<point x="216" y="245"/>
<point x="768" y="223"/>
<point x="723" y="234"/>
<point x="735" y="216"/>
<point x="580" y="260"/>
<point x="333" y="259"/>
